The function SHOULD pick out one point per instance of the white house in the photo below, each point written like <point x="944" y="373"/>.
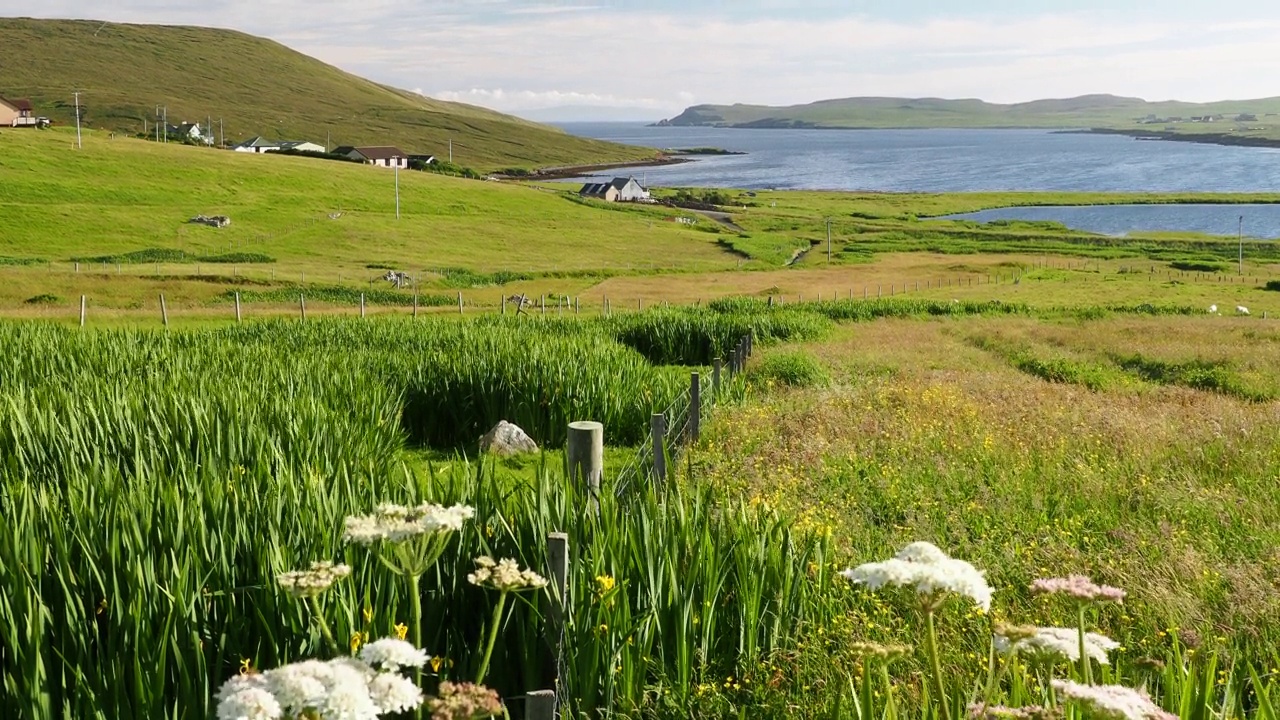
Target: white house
<point x="381" y="155"/>
<point x="189" y="131"/>
<point x="18" y="113"/>
<point x="616" y="190"/>
<point x="257" y="144"/>
<point x="300" y="146"/>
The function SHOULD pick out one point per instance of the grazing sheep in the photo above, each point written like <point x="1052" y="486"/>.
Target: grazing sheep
<point x="1213" y="308"/>
<point x="1242" y="310"/>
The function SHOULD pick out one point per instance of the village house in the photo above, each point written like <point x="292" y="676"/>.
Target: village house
<point x="381" y="156"/>
<point x="301" y="146"/>
<point x="616" y="190"/>
<point x="19" y="113"/>
<point x="257" y="144"/>
<point x="189" y="132"/>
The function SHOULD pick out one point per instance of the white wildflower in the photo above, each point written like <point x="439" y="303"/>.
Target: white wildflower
<point x="929" y="570"/>
<point x="309" y="583"/>
<point x="504" y="575"/>
<point x="394" y="693"/>
<point x="1113" y="702"/>
<point x="250" y="703"/>
<point x="338" y="689"/>
<point x="397" y="522"/>
<point x="1058" y="641"/>
<point x="392" y="654"/>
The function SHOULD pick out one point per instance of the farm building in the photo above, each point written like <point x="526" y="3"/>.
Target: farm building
<point x="616" y="190"/>
<point x="17" y="113"/>
<point x="382" y="156"/>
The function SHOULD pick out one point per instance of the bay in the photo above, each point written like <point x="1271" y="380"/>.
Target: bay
<point x="945" y="160"/>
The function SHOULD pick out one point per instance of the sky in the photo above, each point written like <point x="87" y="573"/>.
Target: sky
<point x="656" y="57"/>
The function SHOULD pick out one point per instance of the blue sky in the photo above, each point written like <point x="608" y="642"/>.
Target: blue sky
<point x="659" y="56"/>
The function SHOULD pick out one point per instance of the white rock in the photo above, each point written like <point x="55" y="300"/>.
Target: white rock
<point x="507" y="439"/>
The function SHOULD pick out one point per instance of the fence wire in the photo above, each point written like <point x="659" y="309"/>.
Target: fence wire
<point x="678" y="435"/>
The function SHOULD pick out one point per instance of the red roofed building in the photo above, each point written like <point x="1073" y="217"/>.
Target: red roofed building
<point x="16" y="113"/>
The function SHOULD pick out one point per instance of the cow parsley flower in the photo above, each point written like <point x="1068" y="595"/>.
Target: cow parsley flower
<point x="1079" y="587"/>
<point x="394" y="693"/>
<point x="504" y="575"/>
<point x="929" y="570"/>
<point x="1113" y="702"/>
<point x="464" y="701"/>
<point x="309" y="583"/>
<point x="342" y="688"/>
<point x="397" y="523"/>
<point x="1055" y="642"/>
<point x="392" y="654"/>
<point x="982" y="711"/>
<point x="250" y="703"/>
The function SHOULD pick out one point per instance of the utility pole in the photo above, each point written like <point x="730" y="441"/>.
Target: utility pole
<point x="397" y="189"/>
<point x="222" y="135"/>
<point x="157" y="123"/>
<point x="450" y="151"/>
<point x="78" y="145"/>
<point x="326" y="142"/>
<point x="209" y="127"/>
<point x="1240" y="239"/>
<point x="166" y="123"/>
<point x="828" y="240"/>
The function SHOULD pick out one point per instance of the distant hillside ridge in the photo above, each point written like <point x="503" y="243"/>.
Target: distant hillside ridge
<point x="1086" y="111"/>
<point x="257" y="86"/>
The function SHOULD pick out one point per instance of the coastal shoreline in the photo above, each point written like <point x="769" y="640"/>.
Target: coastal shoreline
<point x="570" y="171"/>
<point x="1228" y="139"/>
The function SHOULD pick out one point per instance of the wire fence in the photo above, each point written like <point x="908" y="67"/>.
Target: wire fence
<point x="679" y="424"/>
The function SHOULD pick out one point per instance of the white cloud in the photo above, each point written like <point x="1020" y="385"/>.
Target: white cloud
<point x="516" y="55"/>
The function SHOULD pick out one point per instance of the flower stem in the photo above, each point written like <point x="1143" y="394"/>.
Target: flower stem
<point x="493" y="637"/>
<point x="936" y="666"/>
<point x="415" y="629"/>
<point x="1086" y="672"/>
<point x="318" y="614"/>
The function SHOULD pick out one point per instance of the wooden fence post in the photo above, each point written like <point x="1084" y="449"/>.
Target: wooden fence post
<point x="639" y="304"/>
<point x="361" y="304"/>
<point x="82" y="309"/>
<point x="716" y="366"/>
<point x="504" y="304"/>
<point x="575" y="304"/>
<point x="415" y="302"/>
<point x="302" y="306"/>
<point x="658" y="434"/>
<point x="164" y="311"/>
<point x="586" y="456"/>
<point x="459" y="302"/>
<point x="540" y="705"/>
<point x="558" y="574"/>
<point x="542" y="300"/>
<point x="695" y="407"/>
<point x="237" y="306"/>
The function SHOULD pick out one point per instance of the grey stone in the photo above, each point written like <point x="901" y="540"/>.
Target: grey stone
<point x="507" y="439"/>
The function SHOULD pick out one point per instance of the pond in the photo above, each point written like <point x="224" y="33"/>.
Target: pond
<point x="1256" y="221"/>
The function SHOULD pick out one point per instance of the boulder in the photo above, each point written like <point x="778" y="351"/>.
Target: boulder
<point x="507" y="439"/>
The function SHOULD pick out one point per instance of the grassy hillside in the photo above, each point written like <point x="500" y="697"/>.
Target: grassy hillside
<point x="259" y="87"/>
<point x="880" y="112"/>
<point x="125" y="195"/>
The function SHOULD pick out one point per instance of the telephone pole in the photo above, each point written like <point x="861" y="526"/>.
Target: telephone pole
<point x="222" y="135"/>
<point x="166" y="123"/>
<point x="78" y="145"/>
<point x="450" y="151"/>
<point x="397" y="189"/>
<point x="157" y="123"/>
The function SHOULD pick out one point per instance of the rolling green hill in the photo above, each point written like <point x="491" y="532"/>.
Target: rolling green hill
<point x="260" y="87"/>
<point x="1086" y="111"/>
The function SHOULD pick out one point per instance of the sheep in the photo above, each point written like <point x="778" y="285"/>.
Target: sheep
<point x="1242" y="310"/>
<point x="1213" y="309"/>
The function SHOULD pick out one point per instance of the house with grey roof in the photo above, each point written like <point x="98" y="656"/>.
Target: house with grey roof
<point x="616" y="190"/>
<point x="257" y="144"/>
<point x="379" y="155"/>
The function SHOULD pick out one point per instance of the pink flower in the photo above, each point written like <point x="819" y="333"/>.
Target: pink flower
<point x="1079" y="587"/>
